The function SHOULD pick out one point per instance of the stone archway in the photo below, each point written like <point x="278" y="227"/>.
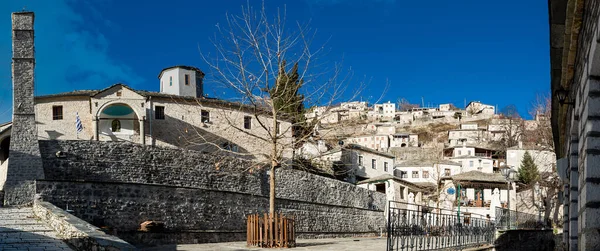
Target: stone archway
<point x="118" y="121"/>
<point x="4" y="146"/>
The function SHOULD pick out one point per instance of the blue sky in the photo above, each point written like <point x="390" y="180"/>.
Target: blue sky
<point x="442" y="51"/>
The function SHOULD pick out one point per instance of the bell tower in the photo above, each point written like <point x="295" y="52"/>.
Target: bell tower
<point x="25" y="162"/>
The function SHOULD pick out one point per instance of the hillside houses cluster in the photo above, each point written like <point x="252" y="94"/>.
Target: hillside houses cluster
<point x="471" y="155"/>
<point x="389" y="112"/>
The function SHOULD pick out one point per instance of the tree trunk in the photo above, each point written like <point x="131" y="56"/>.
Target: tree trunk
<point x="272" y="187"/>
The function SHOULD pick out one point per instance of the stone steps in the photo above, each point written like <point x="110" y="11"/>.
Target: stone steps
<point x="20" y="230"/>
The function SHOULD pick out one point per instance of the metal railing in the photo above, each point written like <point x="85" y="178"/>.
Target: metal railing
<point x="511" y="219"/>
<point x="418" y="227"/>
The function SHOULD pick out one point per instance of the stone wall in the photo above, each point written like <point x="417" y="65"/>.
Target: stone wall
<point x="77" y="233"/>
<point x="120" y="185"/>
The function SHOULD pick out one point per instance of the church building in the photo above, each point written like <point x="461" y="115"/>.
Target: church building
<point x="180" y="115"/>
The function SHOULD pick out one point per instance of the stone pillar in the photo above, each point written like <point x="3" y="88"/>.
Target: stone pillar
<point x="589" y="162"/>
<point x="25" y="163"/>
<point x="142" y="131"/>
<point x="96" y="128"/>
<point x="573" y="194"/>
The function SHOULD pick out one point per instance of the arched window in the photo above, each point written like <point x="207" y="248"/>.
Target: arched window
<point x="116" y="125"/>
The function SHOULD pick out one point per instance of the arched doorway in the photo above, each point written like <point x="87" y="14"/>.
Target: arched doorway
<point x="4" y="145"/>
<point x="118" y="122"/>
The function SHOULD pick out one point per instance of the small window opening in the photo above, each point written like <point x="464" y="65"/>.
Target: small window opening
<point x="247" y="122"/>
<point x="57" y="112"/>
<point x="159" y="112"/>
<point x="204" y="116"/>
<point x="116" y="125"/>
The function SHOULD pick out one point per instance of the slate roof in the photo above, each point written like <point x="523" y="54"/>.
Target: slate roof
<point x="366" y="149"/>
<point x="385" y="177"/>
<point x="478" y="176"/>
<point x="426" y="163"/>
<point x="5" y="126"/>
<point x="189" y="68"/>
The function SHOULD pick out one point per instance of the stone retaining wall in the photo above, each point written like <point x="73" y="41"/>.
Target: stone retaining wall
<point x="201" y="197"/>
<point x="76" y="232"/>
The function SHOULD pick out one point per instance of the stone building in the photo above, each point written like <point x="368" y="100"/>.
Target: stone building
<point x="575" y="84"/>
<point x="360" y="163"/>
<point x="177" y="116"/>
<point x="478" y="108"/>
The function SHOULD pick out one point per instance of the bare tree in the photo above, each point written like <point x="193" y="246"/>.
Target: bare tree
<point x="539" y="134"/>
<point x="272" y="70"/>
<point x="404" y="105"/>
<point x="512" y="126"/>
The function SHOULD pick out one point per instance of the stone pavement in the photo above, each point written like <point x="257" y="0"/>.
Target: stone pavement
<point x="337" y="244"/>
<point x="20" y="230"/>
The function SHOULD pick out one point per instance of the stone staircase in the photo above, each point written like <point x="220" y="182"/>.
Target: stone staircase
<point x="21" y="230"/>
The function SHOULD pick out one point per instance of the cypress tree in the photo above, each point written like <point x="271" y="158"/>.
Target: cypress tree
<point x="528" y="172"/>
<point x="287" y="99"/>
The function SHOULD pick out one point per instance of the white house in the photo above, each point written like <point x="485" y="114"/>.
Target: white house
<point x="468" y="133"/>
<point x="404" y="140"/>
<point x="426" y="171"/>
<point x="544" y="159"/>
<point x="477" y="108"/>
<point x="387" y="110"/>
<point x="367" y="163"/>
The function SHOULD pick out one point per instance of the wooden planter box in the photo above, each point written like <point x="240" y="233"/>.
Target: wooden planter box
<point x="268" y="231"/>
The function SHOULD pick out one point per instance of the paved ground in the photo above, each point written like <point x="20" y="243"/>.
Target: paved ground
<point x="339" y="244"/>
<point x="20" y="230"/>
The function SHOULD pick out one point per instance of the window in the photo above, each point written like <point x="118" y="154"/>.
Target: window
<point x="57" y="112"/>
<point x="447" y="172"/>
<point x="360" y="160"/>
<point x="401" y="193"/>
<point x="247" y="122"/>
<point x="380" y="187"/>
<point x="230" y="147"/>
<point x="204" y="116"/>
<point x="159" y="112"/>
<point x="116" y="125"/>
<point x="415" y="174"/>
<point x="469" y="152"/>
<point x="470" y="163"/>
<point x="119" y="93"/>
<point x="425" y="174"/>
<point x="170" y="80"/>
<point x="385" y="166"/>
<point x="277" y="125"/>
<point x="187" y="79"/>
<point x="374" y="164"/>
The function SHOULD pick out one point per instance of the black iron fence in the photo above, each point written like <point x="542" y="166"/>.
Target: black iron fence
<point x="511" y="219"/>
<point x="417" y="227"/>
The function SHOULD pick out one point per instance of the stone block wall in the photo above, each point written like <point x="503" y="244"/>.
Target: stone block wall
<point x="198" y="196"/>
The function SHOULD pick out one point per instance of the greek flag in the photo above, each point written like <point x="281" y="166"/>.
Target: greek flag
<point x="78" y="123"/>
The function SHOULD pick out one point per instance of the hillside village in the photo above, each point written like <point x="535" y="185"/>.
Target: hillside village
<point x="429" y="151"/>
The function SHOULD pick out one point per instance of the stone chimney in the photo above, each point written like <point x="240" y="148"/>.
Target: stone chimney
<point x="25" y="162"/>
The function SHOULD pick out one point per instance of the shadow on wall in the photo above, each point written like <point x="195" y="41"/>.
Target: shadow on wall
<point x="182" y="134"/>
<point x="4" y="144"/>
